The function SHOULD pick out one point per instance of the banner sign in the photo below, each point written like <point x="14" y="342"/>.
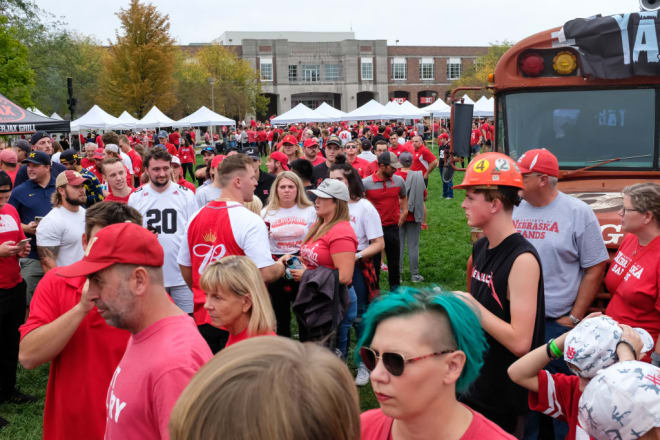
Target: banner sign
<point x="616" y="46"/>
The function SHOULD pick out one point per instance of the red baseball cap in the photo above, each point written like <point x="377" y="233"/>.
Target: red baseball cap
<point x="289" y="139"/>
<point x="310" y="142"/>
<point x="539" y="160"/>
<point x="217" y="160"/>
<point x="121" y="243"/>
<point x="69" y="177"/>
<point x="280" y="157"/>
<point x="98" y="154"/>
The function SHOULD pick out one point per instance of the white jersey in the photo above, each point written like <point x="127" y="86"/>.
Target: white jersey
<point x="206" y="193"/>
<point x="365" y="221"/>
<point x="287" y="227"/>
<point x="126" y="159"/>
<point x="167" y="214"/>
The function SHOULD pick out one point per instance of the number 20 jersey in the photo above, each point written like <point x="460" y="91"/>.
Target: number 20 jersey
<point x="166" y="213"/>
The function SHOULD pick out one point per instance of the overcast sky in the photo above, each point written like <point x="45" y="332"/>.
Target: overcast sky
<point x="428" y="22"/>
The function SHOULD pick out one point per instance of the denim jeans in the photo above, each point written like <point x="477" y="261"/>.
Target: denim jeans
<point x="362" y="292"/>
<point x="347" y="322"/>
<point x="447" y="188"/>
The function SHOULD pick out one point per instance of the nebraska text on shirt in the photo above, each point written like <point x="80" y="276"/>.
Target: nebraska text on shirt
<point x="535" y="229"/>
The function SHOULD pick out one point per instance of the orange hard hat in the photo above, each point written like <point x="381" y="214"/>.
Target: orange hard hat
<point x="490" y="170"/>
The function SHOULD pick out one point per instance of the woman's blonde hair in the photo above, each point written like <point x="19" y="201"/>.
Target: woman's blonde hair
<point x="269" y="388"/>
<point x="301" y="197"/>
<point x="320" y="228"/>
<point x="239" y="275"/>
<point x="254" y="205"/>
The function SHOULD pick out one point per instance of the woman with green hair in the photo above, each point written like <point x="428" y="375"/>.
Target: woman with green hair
<point x="422" y="347"/>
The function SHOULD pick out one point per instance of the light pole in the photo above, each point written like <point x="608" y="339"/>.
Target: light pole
<point x="212" y="82"/>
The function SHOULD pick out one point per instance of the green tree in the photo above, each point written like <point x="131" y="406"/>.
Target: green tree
<point x="476" y="75"/>
<point x="236" y="87"/>
<point x="139" y="66"/>
<point x="16" y="76"/>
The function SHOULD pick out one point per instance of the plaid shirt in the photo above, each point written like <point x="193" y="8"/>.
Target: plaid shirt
<point x="92" y="187"/>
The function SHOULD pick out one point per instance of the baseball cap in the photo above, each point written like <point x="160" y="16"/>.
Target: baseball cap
<point x="112" y="148"/>
<point x="23" y="145"/>
<point x="8" y="156"/>
<point x="251" y="152"/>
<point x="36" y="137"/>
<point x="281" y="158"/>
<point x="98" y="154"/>
<point x="539" y="160"/>
<point x="591" y="345"/>
<point x="389" y="158"/>
<point x="69" y="156"/>
<point x="176" y="160"/>
<point x="332" y="189"/>
<point x="69" y="177"/>
<point x="162" y="134"/>
<point x="121" y="243"/>
<point x="289" y="139"/>
<point x="208" y="150"/>
<point x="217" y="160"/>
<point x="310" y="142"/>
<point x="334" y="140"/>
<point x="622" y="399"/>
<point x="38" y="157"/>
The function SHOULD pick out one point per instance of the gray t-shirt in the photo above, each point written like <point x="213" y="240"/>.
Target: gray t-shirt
<point x="205" y="194"/>
<point x="567" y="236"/>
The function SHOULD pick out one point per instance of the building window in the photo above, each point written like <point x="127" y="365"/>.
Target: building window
<point x="266" y="68"/>
<point x="426" y="69"/>
<point x="332" y="72"/>
<point x="399" y="69"/>
<point x="453" y="69"/>
<point x="293" y="73"/>
<point x="367" y="68"/>
<point x="311" y="72"/>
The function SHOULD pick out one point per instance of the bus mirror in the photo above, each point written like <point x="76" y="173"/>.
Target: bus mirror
<point x="461" y="129"/>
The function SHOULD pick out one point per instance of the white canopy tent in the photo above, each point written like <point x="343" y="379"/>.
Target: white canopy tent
<point x="484" y="108"/>
<point x="411" y="111"/>
<point x="98" y="119"/>
<point x="329" y="113"/>
<point x="439" y="109"/>
<point x="127" y="118"/>
<point x="36" y="111"/>
<point x="300" y="113"/>
<point x="203" y="117"/>
<point x="372" y="110"/>
<point x="155" y="119"/>
<point x="56" y="116"/>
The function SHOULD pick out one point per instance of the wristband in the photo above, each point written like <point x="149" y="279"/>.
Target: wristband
<point x="573" y="319"/>
<point x="655" y="359"/>
<point x="547" y="349"/>
<point x="555" y="350"/>
<point x="629" y="344"/>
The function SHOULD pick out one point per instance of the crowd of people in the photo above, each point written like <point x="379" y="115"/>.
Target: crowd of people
<point x="170" y="302"/>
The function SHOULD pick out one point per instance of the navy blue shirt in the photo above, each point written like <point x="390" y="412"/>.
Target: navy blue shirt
<point x="31" y="200"/>
<point x="22" y="176"/>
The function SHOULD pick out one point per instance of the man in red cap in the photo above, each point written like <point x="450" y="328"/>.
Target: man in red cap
<point x="566" y="233"/>
<point x="225" y="227"/>
<point x="506" y="287"/>
<point x="59" y="232"/>
<point x="277" y="162"/>
<point x="123" y="264"/>
<point x="311" y="152"/>
<point x="66" y="329"/>
<point x="8" y="161"/>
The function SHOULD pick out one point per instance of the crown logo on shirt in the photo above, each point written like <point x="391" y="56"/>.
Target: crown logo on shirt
<point x="210" y="237"/>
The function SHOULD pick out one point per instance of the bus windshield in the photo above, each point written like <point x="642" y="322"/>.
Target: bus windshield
<point x="583" y="127"/>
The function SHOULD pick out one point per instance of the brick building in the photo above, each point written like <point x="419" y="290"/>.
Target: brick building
<point x="312" y="67"/>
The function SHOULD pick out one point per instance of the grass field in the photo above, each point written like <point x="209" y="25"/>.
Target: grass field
<point x="444" y="249"/>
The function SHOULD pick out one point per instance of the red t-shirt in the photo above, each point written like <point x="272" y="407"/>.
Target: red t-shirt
<point x="242" y="336"/>
<point x="99" y="141"/>
<point x="362" y="167"/>
<point x="340" y="238"/>
<point x="174" y="138"/>
<point x="184" y="182"/>
<point x="488" y="130"/>
<point x="317" y="161"/>
<point x="422" y="158"/>
<point x="186" y="154"/>
<point x="400" y="148"/>
<point x="558" y="397"/>
<point x="12" y="174"/>
<point x="158" y="364"/>
<point x="633" y="280"/>
<point x="171" y="149"/>
<point x="113" y="198"/>
<point x="136" y="161"/>
<point x="86" y="163"/>
<point x="81" y="373"/>
<point x="375" y="425"/>
<point x="372" y="168"/>
<point x="252" y="136"/>
<point x="475" y="136"/>
<point x="94" y="170"/>
<point x="10" y="230"/>
<point x="262" y="136"/>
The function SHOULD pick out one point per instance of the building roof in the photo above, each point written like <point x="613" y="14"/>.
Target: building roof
<point x="234" y="38"/>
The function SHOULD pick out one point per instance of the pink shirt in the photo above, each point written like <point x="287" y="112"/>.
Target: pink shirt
<point x="156" y="367"/>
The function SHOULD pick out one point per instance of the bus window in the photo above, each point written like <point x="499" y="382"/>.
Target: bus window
<point x="583" y="127"/>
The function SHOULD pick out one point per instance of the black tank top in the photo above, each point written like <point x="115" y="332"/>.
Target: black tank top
<point x="493" y="391"/>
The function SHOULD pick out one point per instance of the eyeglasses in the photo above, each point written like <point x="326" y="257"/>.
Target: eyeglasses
<point x="394" y="362"/>
<point x="624" y="210"/>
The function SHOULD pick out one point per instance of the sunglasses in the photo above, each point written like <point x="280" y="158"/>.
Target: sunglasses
<point x="351" y="147"/>
<point x="394" y="362"/>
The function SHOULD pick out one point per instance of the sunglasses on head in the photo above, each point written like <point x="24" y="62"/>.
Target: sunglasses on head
<point x="394" y="362"/>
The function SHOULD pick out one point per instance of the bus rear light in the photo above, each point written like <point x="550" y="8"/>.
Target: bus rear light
<point x="531" y="64"/>
<point x="564" y="63"/>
